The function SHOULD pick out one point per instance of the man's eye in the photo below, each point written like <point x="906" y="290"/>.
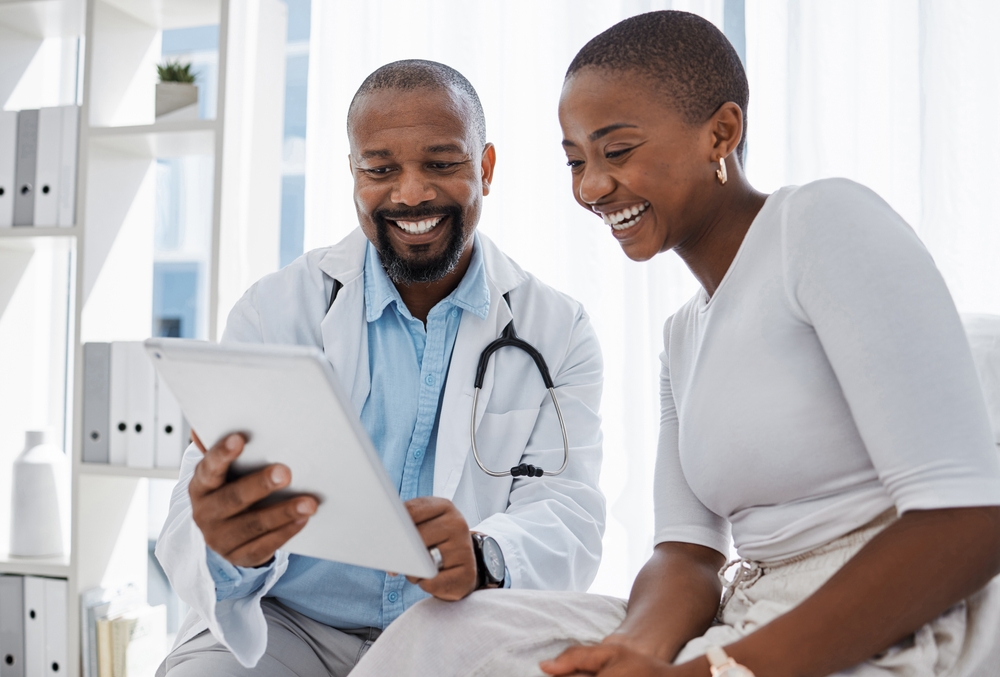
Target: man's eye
<point x="442" y="165"/>
<point x="573" y="164"/>
<point x="378" y="171"/>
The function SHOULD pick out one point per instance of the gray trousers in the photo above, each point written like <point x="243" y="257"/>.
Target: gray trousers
<point x="297" y="646"/>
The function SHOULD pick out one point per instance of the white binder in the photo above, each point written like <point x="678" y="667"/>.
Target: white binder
<point x="141" y="408"/>
<point x="24" y="170"/>
<point x="172" y="432"/>
<point x="34" y="626"/>
<point x="67" y="168"/>
<point x="96" y="415"/>
<point x="56" y="650"/>
<point x="48" y="166"/>
<point x="8" y="153"/>
<point x="11" y="626"/>
<point x="118" y="405"/>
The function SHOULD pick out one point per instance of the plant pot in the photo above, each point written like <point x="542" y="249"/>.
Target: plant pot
<point x="176" y="101"/>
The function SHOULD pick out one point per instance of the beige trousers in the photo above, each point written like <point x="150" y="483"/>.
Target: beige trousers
<point x="507" y="632"/>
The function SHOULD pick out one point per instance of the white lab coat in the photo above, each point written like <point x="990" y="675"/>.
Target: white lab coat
<point x="550" y="528"/>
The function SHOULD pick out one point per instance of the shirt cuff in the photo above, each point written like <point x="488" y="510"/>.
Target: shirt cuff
<point x="506" y="578"/>
<point x="234" y="581"/>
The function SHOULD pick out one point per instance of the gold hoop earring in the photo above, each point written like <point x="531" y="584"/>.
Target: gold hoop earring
<point x="721" y="171"/>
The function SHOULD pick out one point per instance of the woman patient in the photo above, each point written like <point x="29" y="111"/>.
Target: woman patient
<point x="819" y="404"/>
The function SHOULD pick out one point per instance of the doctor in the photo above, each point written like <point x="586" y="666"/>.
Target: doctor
<point x="402" y="307"/>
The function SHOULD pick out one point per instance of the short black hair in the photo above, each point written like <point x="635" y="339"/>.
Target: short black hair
<point x="692" y="61"/>
<point x="418" y="74"/>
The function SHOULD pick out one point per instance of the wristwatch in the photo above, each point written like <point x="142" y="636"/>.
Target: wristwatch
<point x="724" y="666"/>
<point x="490" y="567"/>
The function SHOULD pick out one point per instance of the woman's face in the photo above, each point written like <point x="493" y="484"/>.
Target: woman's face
<point x="635" y="162"/>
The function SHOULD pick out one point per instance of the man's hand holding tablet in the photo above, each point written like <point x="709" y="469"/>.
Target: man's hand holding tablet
<point x="233" y="527"/>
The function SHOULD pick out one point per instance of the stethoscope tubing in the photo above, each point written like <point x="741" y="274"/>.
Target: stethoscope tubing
<point x="509" y="473"/>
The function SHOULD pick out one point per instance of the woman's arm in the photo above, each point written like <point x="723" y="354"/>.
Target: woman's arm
<point x="905" y="577"/>
<point x="674" y="599"/>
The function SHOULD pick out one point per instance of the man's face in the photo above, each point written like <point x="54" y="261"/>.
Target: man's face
<point x="420" y="174"/>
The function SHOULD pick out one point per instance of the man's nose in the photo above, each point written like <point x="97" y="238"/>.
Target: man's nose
<point x="412" y="189"/>
<point x="594" y="184"/>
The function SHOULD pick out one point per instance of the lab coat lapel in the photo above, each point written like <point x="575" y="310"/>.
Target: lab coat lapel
<point x="344" y="330"/>
<point x="474" y="334"/>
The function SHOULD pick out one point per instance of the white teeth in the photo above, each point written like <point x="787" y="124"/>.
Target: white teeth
<point x="419" y="227"/>
<point x="627" y="224"/>
<point x="618" y="219"/>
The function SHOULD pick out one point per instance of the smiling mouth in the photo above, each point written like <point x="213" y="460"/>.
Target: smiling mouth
<point x="418" y="227"/>
<point x="626" y="218"/>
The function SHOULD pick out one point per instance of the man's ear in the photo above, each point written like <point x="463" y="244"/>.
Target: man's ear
<point x="726" y="128"/>
<point x="350" y="164"/>
<point x="489" y="162"/>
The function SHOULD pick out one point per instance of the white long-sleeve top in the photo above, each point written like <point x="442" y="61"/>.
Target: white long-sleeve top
<point x="827" y="380"/>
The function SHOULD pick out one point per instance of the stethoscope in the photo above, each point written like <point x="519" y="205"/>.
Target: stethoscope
<point x="508" y="339"/>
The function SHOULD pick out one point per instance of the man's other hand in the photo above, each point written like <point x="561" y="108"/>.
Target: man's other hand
<point x="243" y="535"/>
<point x="441" y="525"/>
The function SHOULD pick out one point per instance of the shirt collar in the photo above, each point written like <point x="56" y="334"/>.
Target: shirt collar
<point x="471" y="294"/>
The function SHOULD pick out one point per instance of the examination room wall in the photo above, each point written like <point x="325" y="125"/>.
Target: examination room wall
<point x="893" y="94"/>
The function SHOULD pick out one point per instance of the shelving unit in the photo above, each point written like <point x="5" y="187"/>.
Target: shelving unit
<point x="61" y="287"/>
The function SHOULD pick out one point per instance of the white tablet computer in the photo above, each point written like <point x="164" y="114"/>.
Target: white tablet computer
<point x="289" y="404"/>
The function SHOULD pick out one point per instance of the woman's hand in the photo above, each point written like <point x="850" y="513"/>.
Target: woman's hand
<point x="614" y="660"/>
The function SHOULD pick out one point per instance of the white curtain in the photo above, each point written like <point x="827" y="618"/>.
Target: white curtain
<point x="886" y="93"/>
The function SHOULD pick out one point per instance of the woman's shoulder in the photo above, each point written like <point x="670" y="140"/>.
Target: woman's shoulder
<point x="828" y="211"/>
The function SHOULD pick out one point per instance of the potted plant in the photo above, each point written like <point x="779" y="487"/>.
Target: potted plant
<point x="176" y="93"/>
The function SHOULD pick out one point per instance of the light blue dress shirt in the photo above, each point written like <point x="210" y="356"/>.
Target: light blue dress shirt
<point x="409" y="365"/>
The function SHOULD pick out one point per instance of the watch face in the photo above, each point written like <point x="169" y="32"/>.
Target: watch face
<point x="493" y="559"/>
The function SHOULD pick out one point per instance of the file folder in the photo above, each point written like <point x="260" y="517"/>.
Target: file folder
<point x="56" y="645"/>
<point x="24" y="172"/>
<point x="118" y="405"/>
<point x="8" y="154"/>
<point x="172" y="431"/>
<point x="34" y="626"/>
<point x="141" y="407"/>
<point x="96" y="400"/>
<point x="67" y="170"/>
<point x="48" y="166"/>
<point x="11" y="626"/>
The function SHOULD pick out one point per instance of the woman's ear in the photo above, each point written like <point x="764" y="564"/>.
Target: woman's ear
<point x="726" y="127"/>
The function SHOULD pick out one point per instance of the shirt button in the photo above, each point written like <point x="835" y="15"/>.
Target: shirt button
<point x="393" y="597"/>
<point x="454" y="312"/>
<point x="418" y="453"/>
<point x="429" y="380"/>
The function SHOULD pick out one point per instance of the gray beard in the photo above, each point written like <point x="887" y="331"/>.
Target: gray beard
<point x="404" y="272"/>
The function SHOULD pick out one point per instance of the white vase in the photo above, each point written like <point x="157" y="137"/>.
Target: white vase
<point x="39" y="515"/>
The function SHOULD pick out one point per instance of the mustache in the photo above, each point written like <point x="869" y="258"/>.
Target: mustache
<point x="415" y="213"/>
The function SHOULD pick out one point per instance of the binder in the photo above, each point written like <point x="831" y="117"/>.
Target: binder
<point x="11" y="626"/>
<point x="24" y="171"/>
<point x="96" y="400"/>
<point x="118" y="405"/>
<point x="67" y="170"/>
<point x="47" y="167"/>
<point x="172" y="431"/>
<point x="56" y="646"/>
<point x="34" y="626"/>
<point x="141" y="407"/>
<point x="8" y="153"/>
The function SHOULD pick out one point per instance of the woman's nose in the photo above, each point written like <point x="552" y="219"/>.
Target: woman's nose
<point x="594" y="185"/>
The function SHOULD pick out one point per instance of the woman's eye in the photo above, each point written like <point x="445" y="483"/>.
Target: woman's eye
<point x="573" y="164"/>
<point x="612" y="154"/>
